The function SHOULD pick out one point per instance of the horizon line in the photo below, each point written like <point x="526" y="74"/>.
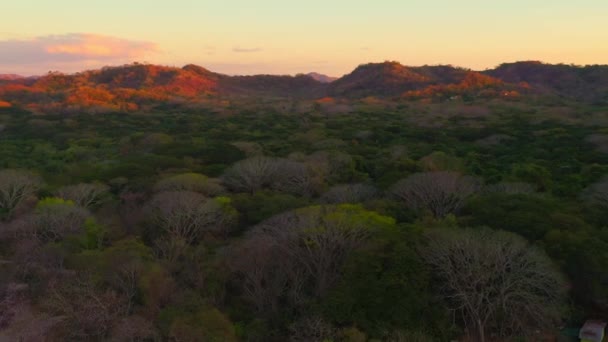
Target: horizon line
<point x="133" y="63"/>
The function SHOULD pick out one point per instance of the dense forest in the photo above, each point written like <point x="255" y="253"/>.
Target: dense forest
<point x="474" y="207"/>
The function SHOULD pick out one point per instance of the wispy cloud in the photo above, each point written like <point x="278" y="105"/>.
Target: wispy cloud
<point x="72" y="47"/>
<point x="246" y="50"/>
<point x="209" y="50"/>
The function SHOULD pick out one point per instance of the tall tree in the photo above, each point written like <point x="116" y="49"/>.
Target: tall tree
<point x="85" y="195"/>
<point x="440" y="192"/>
<point x="15" y="187"/>
<point x="495" y="280"/>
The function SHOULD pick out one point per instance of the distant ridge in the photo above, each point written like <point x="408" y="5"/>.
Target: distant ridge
<point x="321" y="78"/>
<point x="135" y="86"/>
<point x="10" y="77"/>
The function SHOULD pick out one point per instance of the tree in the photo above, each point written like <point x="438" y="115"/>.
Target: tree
<point x="134" y="328"/>
<point x="312" y="329"/>
<point x="195" y="182"/>
<point x="441" y="192"/>
<point x="529" y="215"/>
<point x="349" y="193"/>
<point x="251" y="175"/>
<point x="88" y="311"/>
<point x="207" y="325"/>
<point x="321" y="238"/>
<point x="84" y="195"/>
<point x="331" y="166"/>
<point x="249" y="148"/>
<point x="511" y="188"/>
<point x="597" y="193"/>
<point x="440" y="161"/>
<point x="300" y="254"/>
<point x="387" y="286"/>
<point x="495" y="280"/>
<point x="534" y="174"/>
<point x="185" y="216"/>
<point x="16" y="187"/>
<point x="292" y="177"/>
<point x="264" y="273"/>
<point x="55" y="218"/>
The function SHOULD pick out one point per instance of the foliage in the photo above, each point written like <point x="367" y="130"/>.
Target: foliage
<point x="276" y="218"/>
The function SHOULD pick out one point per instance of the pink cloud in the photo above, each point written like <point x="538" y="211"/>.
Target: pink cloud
<point x="246" y="50"/>
<point x="72" y="47"/>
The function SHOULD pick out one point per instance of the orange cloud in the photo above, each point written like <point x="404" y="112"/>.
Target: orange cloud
<point x="72" y="47"/>
<point x="98" y="46"/>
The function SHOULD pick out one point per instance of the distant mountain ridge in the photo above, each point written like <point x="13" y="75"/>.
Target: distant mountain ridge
<point x="134" y="86"/>
<point x="321" y="77"/>
<point x="10" y="77"/>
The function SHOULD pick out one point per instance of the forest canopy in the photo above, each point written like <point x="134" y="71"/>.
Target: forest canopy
<point x="273" y="219"/>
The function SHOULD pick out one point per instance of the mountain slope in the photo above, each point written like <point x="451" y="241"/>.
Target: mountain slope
<point x="391" y="79"/>
<point x="378" y="79"/>
<point x="586" y="83"/>
<point x="131" y="87"/>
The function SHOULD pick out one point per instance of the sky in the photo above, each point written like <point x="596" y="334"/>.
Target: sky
<point x="295" y="36"/>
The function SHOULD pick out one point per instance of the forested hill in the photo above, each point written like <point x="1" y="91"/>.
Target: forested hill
<point x="140" y="86"/>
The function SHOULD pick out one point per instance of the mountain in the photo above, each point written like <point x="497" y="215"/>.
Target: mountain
<point x="466" y="84"/>
<point x="321" y="78"/>
<point x="135" y="86"/>
<point x="139" y="86"/>
<point x="391" y="79"/>
<point x="378" y="79"/>
<point x="586" y="83"/>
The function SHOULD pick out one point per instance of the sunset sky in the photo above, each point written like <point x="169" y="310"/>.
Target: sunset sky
<point x="287" y="37"/>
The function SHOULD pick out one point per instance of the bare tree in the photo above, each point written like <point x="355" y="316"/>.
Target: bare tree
<point x="55" y="218"/>
<point x="12" y="295"/>
<point x="312" y="329"/>
<point x="218" y="216"/>
<point x="15" y="187"/>
<point x="131" y="209"/>
<point x="329" y="164"/>
<point x="292" y="177"/>
<point x="252" y="174"/>
<point x="349" y="193"/>
<point x="125" y="279"/>
<point x="498" y="282"/>
<point x="134" y="328"/>
<point x="319" y="239"/>
<point x="88" y="312"/>
<point x="178" y="213"/>
<point x="85" y="195"/>
<point x="296" y="256"/>
<point x="598" y="193"/>
<point x="185" y="216"/>
<point x="410" y="336"/>
<point x="440" y="192"/>
<point x="258" y="262"/>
